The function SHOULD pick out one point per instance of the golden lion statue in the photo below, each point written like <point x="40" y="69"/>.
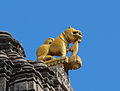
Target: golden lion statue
<point x="60" y="47"/>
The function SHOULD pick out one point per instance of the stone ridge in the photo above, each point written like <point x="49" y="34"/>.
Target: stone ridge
<point x="19" y="74"/>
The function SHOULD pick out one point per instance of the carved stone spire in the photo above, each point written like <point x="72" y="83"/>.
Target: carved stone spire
<point x="19" y="74"/>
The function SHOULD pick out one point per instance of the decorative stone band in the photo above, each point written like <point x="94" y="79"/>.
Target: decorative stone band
<point x="73" y="62"/>
<point x="55" y="62"/>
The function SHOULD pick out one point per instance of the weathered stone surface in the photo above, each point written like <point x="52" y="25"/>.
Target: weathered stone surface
<point x="19" y="74"/>
<point x="3" y="83"/>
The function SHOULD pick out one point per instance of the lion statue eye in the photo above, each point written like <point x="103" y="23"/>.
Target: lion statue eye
<point x="80" y="33"/>
<point x="49" y="42"/>
<point x="75" y="32"/>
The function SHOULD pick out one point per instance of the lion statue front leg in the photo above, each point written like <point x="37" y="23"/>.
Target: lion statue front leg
<point x="74" y="60"/>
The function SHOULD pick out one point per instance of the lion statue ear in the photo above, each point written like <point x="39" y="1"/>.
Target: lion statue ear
<point x="70" y="27"/>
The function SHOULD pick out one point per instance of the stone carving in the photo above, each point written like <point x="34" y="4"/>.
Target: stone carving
<point x="50" y="74"/>
<point x="10" y="46"/>
<point x="60" y="47"/>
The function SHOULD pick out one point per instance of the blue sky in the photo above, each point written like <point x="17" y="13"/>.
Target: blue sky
<point x="33" y="21"/>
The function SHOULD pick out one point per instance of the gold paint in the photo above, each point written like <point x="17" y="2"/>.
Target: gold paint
<point x="60" y="47"/>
